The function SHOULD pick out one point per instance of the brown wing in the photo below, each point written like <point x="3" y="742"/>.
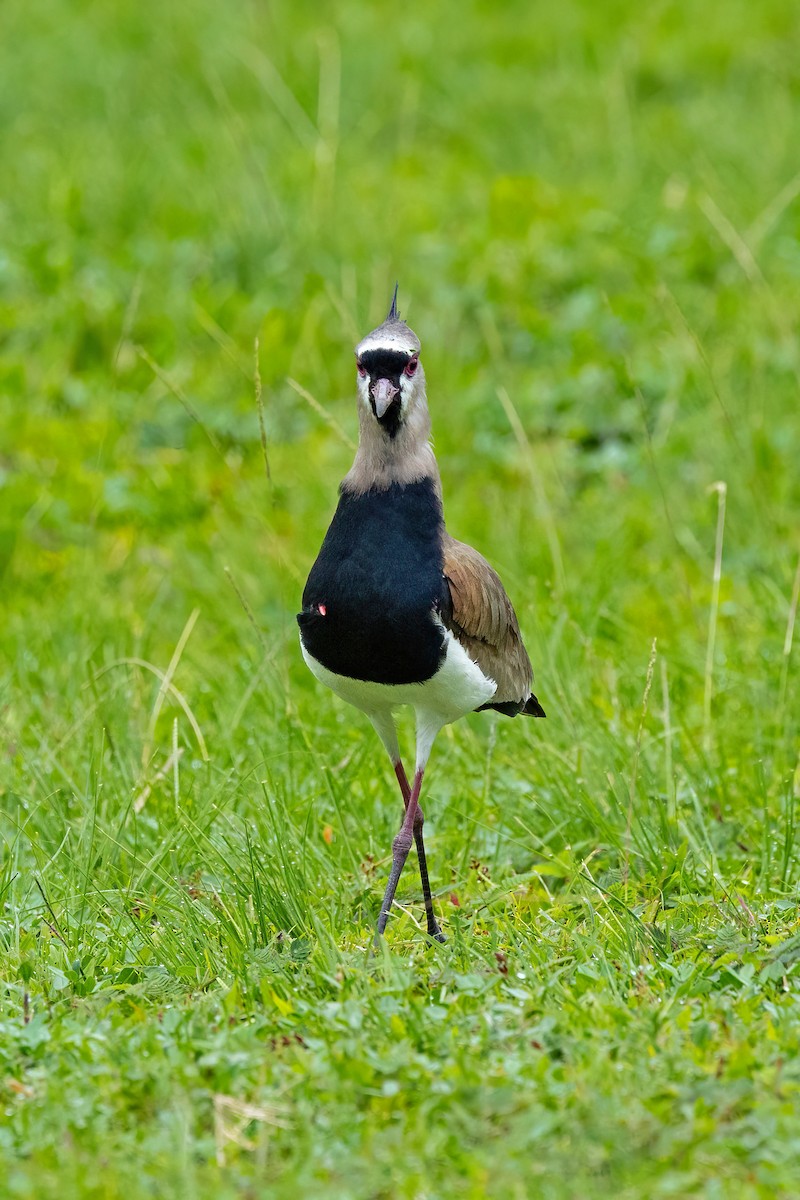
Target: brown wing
<point x="483" y="620"/>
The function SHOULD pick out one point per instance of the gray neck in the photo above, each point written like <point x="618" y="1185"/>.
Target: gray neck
<point x="381" y="460"/>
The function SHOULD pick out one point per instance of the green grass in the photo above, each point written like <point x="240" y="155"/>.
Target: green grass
<point x="594" y="215"/>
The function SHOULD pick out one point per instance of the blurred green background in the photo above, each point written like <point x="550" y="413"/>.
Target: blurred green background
<point x="594" y="215"/>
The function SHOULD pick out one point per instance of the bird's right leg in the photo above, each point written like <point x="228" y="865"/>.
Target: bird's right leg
<point x="387" y="732"/>
<point x="419" y="820"/>
<point x="400" y="848"/>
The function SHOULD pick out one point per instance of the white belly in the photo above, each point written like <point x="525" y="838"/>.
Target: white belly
<point x="458" y="687"/>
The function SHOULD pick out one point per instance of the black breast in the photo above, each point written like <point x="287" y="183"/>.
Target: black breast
<point x="369" y="600"/>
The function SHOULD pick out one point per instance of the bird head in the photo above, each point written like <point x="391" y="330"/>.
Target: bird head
<point x="391" y="381"/>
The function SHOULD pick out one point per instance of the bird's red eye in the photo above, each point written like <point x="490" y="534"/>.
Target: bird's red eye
<point x="362" y="370"/>
<point x="411" y="367"/>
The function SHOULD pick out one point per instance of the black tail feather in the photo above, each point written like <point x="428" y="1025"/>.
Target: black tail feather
<point x="512" y="708"/>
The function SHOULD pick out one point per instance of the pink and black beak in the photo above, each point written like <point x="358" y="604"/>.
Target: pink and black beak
<point x="383" y="394"/>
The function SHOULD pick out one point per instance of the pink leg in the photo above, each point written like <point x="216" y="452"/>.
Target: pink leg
<point x="400" y="848"/>
<point x="419" y="820"/>
<point x="410" y="830"/>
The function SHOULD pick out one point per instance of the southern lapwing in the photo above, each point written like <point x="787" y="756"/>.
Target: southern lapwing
<point x="395" y="611"/>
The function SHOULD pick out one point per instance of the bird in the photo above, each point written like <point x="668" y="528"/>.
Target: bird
<point x="395" y="611"/>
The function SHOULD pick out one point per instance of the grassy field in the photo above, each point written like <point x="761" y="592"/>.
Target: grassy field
<point x="594" y="215"/>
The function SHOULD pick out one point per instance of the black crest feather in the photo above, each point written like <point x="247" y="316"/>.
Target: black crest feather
<point x="393" y="314"/>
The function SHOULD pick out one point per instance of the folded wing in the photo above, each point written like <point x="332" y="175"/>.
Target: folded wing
<point x="483" y="620"/>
